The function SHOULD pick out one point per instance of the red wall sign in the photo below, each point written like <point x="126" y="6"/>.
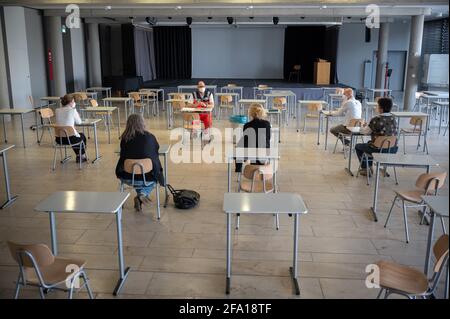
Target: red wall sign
<point x="50" y="64"/>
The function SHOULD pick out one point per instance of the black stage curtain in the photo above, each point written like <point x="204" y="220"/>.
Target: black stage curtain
<point x="304" y="45"/>
<point x="173" y="51"/>
<point x="128" y="56"/>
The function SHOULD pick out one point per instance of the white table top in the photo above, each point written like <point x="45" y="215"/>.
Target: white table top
<point x="262" y="88"/>
<point x="248" y="101"/>
<point x="196" y="109"/>
<point x="151" y="90"/>
<point x="409" y="114"/>
<point x="439" y="204"/>
<point x="50" y="98"/>
<point x="379" y="90"/>
<point x="118" y="99"/>
<point x="16" y="111"/>
<point x="440" y="103"/>
<point x="402" y="159"/>
<point x="7" y="147"/>
<point x="232" y="87"/>
<point x="227" y="93"/>
<point x="99" y="109"/>
<point x="98" y="88"/>
<point x="89" y="122"/>
<point x="327" y="113"/>
<point x="179" y="93"/>
<point x="336" y="95"/>
<point x="253" y="153"/>
<point x="194" y="86"/>
<point x="279" y="93"/>
<point x="164" y="149"/>
<point x="438" y="94"/>
<point x="260" y="203"/>
<point x="312" y="101"/>
<point x="83" y="202"/>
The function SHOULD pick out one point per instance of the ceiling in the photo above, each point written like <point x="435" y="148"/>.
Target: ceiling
<point x="262" y="11"/>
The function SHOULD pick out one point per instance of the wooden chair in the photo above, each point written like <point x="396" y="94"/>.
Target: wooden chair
<point x="137" y="102"/>
<point x="141" y="167"/>
<point x="46" y="115"/>
<point x="410" y="282"/>
<point x="427" y="184"/>
<point x="418" y="129"/>
<point x="257" y="179"/>
<point x="38" y="267"/>
<point x="384" y="145"/>
<point x="295" y="72"/>
<point x="313" y="112"/>
<point x="226" y="103"/>
<point x="150" y="97"/>
<point x="104" y="115"/>
<point x="261" y="89"/>
<point x="65" y="132"/>
<point x="341" y="136"/>
<point x="192" y="124"/>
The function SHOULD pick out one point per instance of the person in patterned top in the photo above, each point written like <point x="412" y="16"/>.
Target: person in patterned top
<point x="384" y="124"/>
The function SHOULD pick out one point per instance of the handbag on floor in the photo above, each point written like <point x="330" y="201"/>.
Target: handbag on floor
<point x="184" y="198"/>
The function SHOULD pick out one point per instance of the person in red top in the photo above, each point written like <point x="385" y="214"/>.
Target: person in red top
<point x="204" y="98"/>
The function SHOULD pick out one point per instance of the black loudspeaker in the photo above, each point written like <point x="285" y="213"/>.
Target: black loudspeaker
<point x="189" y="20"/>
<point x="368" y="34"/>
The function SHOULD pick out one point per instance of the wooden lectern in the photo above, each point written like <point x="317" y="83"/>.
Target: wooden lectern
<point x="322" y="72"/>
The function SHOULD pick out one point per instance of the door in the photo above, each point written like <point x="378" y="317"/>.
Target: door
<point x="397" y="62"/>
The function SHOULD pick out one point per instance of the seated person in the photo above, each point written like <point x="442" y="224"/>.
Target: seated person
<point x="351" y="108"/>
<point x="256" y="133"/>
<point x="205" y="98"/>
<point x="383" y="124"/>
<point x="137" y="143"/>
<point x="67" y="115"/>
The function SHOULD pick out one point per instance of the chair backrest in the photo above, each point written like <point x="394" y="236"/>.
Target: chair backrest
<point x="64" y="131"/>
<point x="355" y="123"/>
<point x="46" y="113"/>
<point x="314" y="107"/>
<point x="226" y="99"/>
<point x="339" y="91"/>
<point x="77" y="97"/>
<point x="191" y="116"/>
<point x="431" y="181"/>
<point x="179" y="96"/>
<point x="263" y="172"/>
<point x="440" y="250"/>
<point x="417" y="121"/>
<point x="279" y="101"/>
<point x="135" y="96"/>
<point x="31" y="100"/>
<point x="83" y="96"/>
<point x="297" y="67"/>
<point x="231" y="85"/>
<point x="138" y="166"/>
<point x="93" y="102"/>
<point x="263" y="86"/>
<point x="40" y="253"/>
<point x="385" y="142"/>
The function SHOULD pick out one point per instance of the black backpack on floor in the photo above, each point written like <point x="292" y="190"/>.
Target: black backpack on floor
<point x="184" y="198"/>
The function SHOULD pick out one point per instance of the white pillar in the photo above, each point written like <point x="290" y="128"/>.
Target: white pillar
<point x="55" y="45"/>
<point x="383" y="41"/>
<point x="414" y="56"/>
<point x="4" y="83"/>
<point x="94" y="62"/>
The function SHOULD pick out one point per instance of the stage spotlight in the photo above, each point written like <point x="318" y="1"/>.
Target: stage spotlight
<point x="170" y="18"/>
<point x="209" y="18"/>
<point x="303" y="18"/>
<point x="189" y="20"/>
<point x="151" y="21"/>
<point x="275" y="20"/>
<point x="230" y="20"/>
<point x="251" y="18"/>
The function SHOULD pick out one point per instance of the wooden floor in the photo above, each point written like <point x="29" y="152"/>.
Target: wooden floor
<point x="183" y="255"/>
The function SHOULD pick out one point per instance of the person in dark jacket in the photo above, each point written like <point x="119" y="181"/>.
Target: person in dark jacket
<point x="256" y="133"/>
<point x="137" y="143"/>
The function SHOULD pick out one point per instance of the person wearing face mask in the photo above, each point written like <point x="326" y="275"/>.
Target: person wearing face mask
<point x="351" y="109"/>
<point x="204" y="98"/>
<point x="67" y="115"/>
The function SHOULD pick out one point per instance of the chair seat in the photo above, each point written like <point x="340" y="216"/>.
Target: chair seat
<point x="246" y="186"/>
<point x="410" y="131"/>
<point x="139" y="104"/>
<point x="312" y="115"/>
<point x="402" y="278"/>
<point x="226" y="106"/>
<point x="411" y="196"/>
<point x="57" y="273"/>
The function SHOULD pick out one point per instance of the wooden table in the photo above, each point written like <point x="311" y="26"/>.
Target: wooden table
<point x="299" y="107"/>
<point x="88" y="203"/>
<point x="15" y="112"/>
<point x="92" y="123"/>
<point x="127" y="102"/>
<point x="9" y="199"/>
<point x="400" y="115"/>
<point x="105" y="109"/>
<point x="100" y="89"/>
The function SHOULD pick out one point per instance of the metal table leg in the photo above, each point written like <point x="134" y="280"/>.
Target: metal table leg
<point x="349" y="167"/>
<point x="37" y="127"/>
<point x="375" y="193"/>
<point x="327" y="119"/>
<point x="9" y="199"/>
<point x="53" y="236"/>
<point x="123" y="271"/>
<point x="293" y="269"/>
<point x="228" y="279"/>
<point x="429" y="242"/>
<point x="118" y="122"/>
<point x="97" y="156"/>
<point x="108" y="125"/>
<point x="229" y="176"/>
<point x="4" y="128"/>
<point x="318" y="128"/>
<point x="23" y="130"/>
<point x="166" y="200"/>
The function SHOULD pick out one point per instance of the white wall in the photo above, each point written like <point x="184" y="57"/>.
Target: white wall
<point x="78" y="58"/>
<point x="353" y="50"/>
<point x="36" y="53"/>
<point x="244" y="52"/>
<point x="19" y="68"/>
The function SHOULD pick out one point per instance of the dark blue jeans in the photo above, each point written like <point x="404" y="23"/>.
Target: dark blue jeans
<point x="369" y="149"/>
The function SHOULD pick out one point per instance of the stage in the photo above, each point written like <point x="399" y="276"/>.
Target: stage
<point x="303" y="91"/>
